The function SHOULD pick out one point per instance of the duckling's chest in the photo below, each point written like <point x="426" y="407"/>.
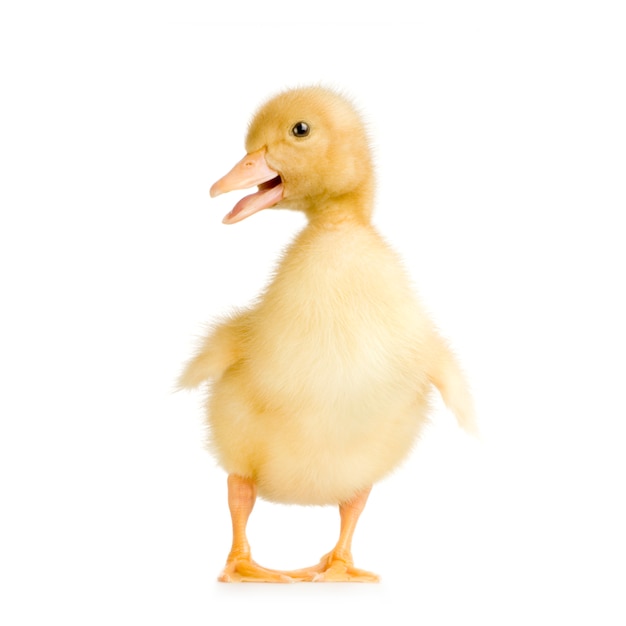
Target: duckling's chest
<point x="335" y="285"/>
<point x="339" y="315"/>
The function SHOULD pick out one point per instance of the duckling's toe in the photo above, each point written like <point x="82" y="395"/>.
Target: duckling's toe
<point x="333" y="569"/>
<point x="244" y="570"/>
<point x="341" y="572"/>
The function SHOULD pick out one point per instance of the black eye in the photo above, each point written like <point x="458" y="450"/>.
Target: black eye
<point x="301" y="129"/>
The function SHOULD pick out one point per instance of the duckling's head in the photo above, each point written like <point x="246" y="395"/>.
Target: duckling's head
<point x="307" y="149"/>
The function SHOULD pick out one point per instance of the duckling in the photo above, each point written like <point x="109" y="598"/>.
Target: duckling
<point x="321" y="387"/>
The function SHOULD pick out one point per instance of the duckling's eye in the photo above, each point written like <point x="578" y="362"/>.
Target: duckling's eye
<point x="301" y="129"/>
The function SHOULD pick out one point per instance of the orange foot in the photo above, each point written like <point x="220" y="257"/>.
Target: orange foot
<point x="245" y="570"/>
<point x="333" y="569"/>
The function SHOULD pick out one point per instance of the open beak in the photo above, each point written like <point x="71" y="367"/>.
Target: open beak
<point x="250" y="171"/>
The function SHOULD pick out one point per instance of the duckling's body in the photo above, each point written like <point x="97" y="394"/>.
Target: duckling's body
<point x="320" y="389"/>
<point x="330" y="366"/>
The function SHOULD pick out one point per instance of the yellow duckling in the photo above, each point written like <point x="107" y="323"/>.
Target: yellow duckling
<point x="321" y="387"/>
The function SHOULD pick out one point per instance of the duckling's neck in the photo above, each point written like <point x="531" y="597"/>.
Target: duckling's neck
<point x="352" y="207"/>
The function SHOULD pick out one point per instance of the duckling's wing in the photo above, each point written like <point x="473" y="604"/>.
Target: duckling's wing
<point x="220" y="349"/>
<point x="445" y="373"/>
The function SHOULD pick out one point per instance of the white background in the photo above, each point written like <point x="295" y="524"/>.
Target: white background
<point x="499" y="132"/>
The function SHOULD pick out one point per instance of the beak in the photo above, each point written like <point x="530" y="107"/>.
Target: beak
<point x="250" y="171"/>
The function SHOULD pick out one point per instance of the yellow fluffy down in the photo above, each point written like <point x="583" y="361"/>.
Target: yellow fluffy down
<point x="321" y="388"/>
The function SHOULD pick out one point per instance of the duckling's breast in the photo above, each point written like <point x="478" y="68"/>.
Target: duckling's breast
<point x="339" y="323"/>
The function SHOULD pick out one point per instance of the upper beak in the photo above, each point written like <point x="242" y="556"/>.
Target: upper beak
<point x="251" y="170"/>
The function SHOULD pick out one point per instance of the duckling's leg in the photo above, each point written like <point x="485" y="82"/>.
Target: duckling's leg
<point x="337" y="565"/>
<point x="239" y="566"/>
